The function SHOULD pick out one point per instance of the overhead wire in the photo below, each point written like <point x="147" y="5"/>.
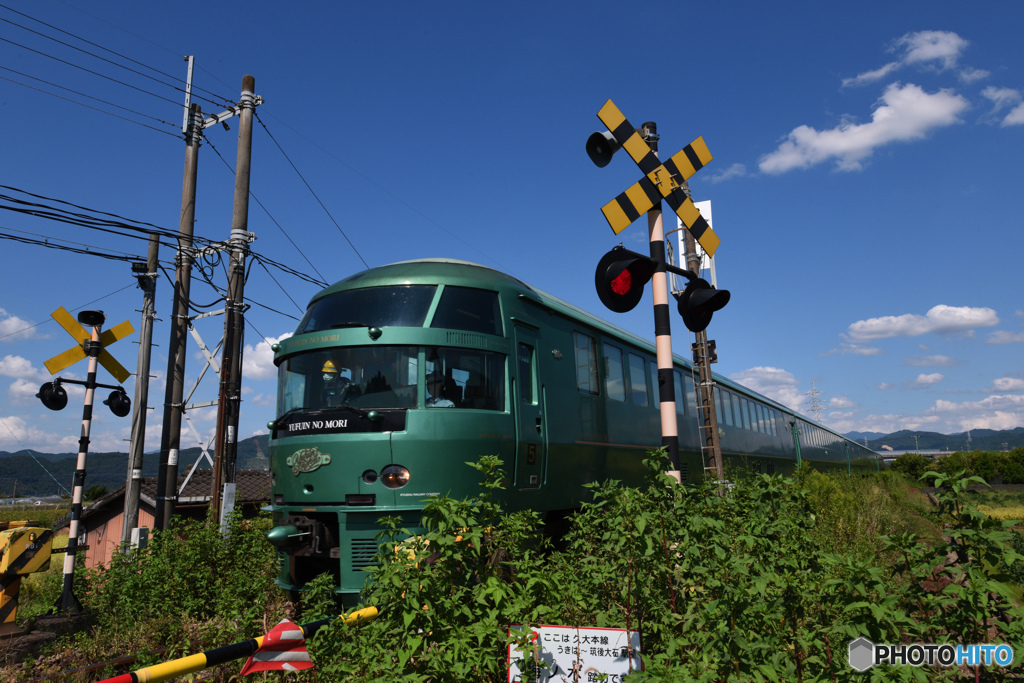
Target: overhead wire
<point x="162" y="47"/>
<point x="312" y="191"/>
<point x="266" y="211"/>
<point x="219" y="102"/>
<point x="391" y="194"/>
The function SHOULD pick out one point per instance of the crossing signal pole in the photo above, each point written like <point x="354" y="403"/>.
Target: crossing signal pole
<point x="621" y="274"/>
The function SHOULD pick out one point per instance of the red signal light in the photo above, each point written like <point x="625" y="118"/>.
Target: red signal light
<point x="620" y="278"/>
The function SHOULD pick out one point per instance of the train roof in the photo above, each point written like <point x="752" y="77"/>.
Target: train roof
<point x="469" y="274"/>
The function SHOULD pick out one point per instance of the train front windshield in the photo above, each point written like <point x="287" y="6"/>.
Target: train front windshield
<point x="387" y="377"/>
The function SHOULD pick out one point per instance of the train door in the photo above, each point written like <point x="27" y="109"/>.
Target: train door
<point x="528" y="406"/>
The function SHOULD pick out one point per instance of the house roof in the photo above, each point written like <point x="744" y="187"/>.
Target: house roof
<point x="251" y="486"/>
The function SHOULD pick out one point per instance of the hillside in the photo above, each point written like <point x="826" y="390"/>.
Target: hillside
<point x="981" y="440"/>
<point x="26" y="467"/>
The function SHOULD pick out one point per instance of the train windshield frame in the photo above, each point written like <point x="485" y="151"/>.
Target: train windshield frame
<point x="393" y="306"/>
<point x="373" y="377"/>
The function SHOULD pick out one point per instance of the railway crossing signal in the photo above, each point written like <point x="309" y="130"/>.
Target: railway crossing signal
<point x="622" y="274"/>
<point x="660" y="181"/>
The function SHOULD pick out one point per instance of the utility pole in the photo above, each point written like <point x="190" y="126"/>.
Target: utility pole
<point x="711" y="444"/>
<point x="230" y="397"/>
<point x="170" y="436"/>
<point x="147" y="282"/>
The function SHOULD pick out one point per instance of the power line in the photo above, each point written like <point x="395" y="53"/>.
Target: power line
<point x="266" y="211"/>
<point x="301" y="177"/>
<point x="82" y="94"/>
<point x="31" y="455"/>
<point x="219" y="102"/>
<point x="82" y="104"/>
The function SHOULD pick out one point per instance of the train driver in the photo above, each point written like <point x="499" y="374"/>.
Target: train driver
<point x="435" y="384"/>
<point x="334" y="385"/>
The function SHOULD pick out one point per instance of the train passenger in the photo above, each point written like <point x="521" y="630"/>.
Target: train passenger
<point x="435" y="384"/>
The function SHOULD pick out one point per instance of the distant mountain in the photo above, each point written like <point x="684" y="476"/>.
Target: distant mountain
<point x="980" y="440"/>
<point x="860" y="436"/>
<point x="35" y="476"/>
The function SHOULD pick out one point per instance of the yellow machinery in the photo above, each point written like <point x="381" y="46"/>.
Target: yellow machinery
<point x="24" y="548"/>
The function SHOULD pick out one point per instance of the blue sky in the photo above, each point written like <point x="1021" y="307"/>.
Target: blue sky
<point x="865" y="181"/>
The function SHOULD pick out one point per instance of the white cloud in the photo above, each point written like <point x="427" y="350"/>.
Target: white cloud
<point x="855" y="350"/>
<point x="970" y="75"/>
<point x="841" y="402"/>
<point x="1001" y="97"/>
<point x="734" y="171"/>
<point x="930" y="361"/>
<point x="926" y="380"/>
<point x="1004" y="337"/>
<point x="904" y="113"/>
<point x="922" y="48"/>
<point x="939" y="319"/>
<point x="1008" y="384"/>
<point x="13" y="328"/>
<point x="931" y="46"/>
<point x="1015" y="117"/>
<point x="775" y="383"/>
<point x="258" y="362"/>
<point x="872" y="76"/>
<point x="1000" y="411"/>
<point x="21" y="368"/>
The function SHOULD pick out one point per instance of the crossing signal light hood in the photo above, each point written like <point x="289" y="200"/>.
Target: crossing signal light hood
<point x="699" y="301"/>
<point x="620" y="278"/>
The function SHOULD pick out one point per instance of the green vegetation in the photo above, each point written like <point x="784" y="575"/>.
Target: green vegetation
<point x="994" y="467"/>
<point x="768" y="582"/>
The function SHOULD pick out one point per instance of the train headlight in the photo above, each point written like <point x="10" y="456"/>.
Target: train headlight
<point x="394" y="476"/>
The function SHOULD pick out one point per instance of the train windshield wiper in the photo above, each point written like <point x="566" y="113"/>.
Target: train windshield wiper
<point x="352" y="323"/>
<point x="287" y="413"/>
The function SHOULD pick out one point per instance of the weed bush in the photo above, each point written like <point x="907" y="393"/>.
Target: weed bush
<point x="722" y="587"/>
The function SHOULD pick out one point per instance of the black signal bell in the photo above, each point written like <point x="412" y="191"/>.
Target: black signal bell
<point x="601" y="147"/>
<point x="53" y="396"/>
<point x="620" y="278"/>
<point x="699" y="301"/>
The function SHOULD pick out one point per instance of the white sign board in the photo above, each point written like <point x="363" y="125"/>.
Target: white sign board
<point x="705" y="260"/>
<point x="565" y="654"/>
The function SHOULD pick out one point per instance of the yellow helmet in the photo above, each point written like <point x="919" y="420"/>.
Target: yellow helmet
<point x="329" y="367"/>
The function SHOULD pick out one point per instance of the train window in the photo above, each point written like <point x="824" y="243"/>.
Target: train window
<point x="725" y="407"/>
<point x="472" y="379"/>
<point x="684" y="393"/>
<point x="761" y="426"/>
<point x="526" y="373"/>
<point x="473" y="310"/>
<point x="718" y="402"/>
<point x="752" y="412"/>
<point x="586" y="364"/>
<point x="359" y="376"/>
<point x="736" y="418"/>
<point x="404" y="306"/>
<point x="614" y="381"/>
<point x="745" y="412"/>
<point x="655" y="386"/>
<point x="637" y="380"/>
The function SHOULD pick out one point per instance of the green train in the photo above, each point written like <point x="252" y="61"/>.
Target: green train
<point x="398" y="375"/>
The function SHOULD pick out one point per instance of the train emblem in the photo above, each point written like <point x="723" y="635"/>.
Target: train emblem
<point x="307" y="460"/>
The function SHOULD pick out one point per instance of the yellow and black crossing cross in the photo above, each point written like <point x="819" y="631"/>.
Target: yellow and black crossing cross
<point x="81" y="335"/>
<point x="661" y="181"/>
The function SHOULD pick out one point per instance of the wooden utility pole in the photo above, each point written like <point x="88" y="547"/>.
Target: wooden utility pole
<point x="170" y="436"/>
<point x="147" y="282"/>
<point x="230" y="397"/>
